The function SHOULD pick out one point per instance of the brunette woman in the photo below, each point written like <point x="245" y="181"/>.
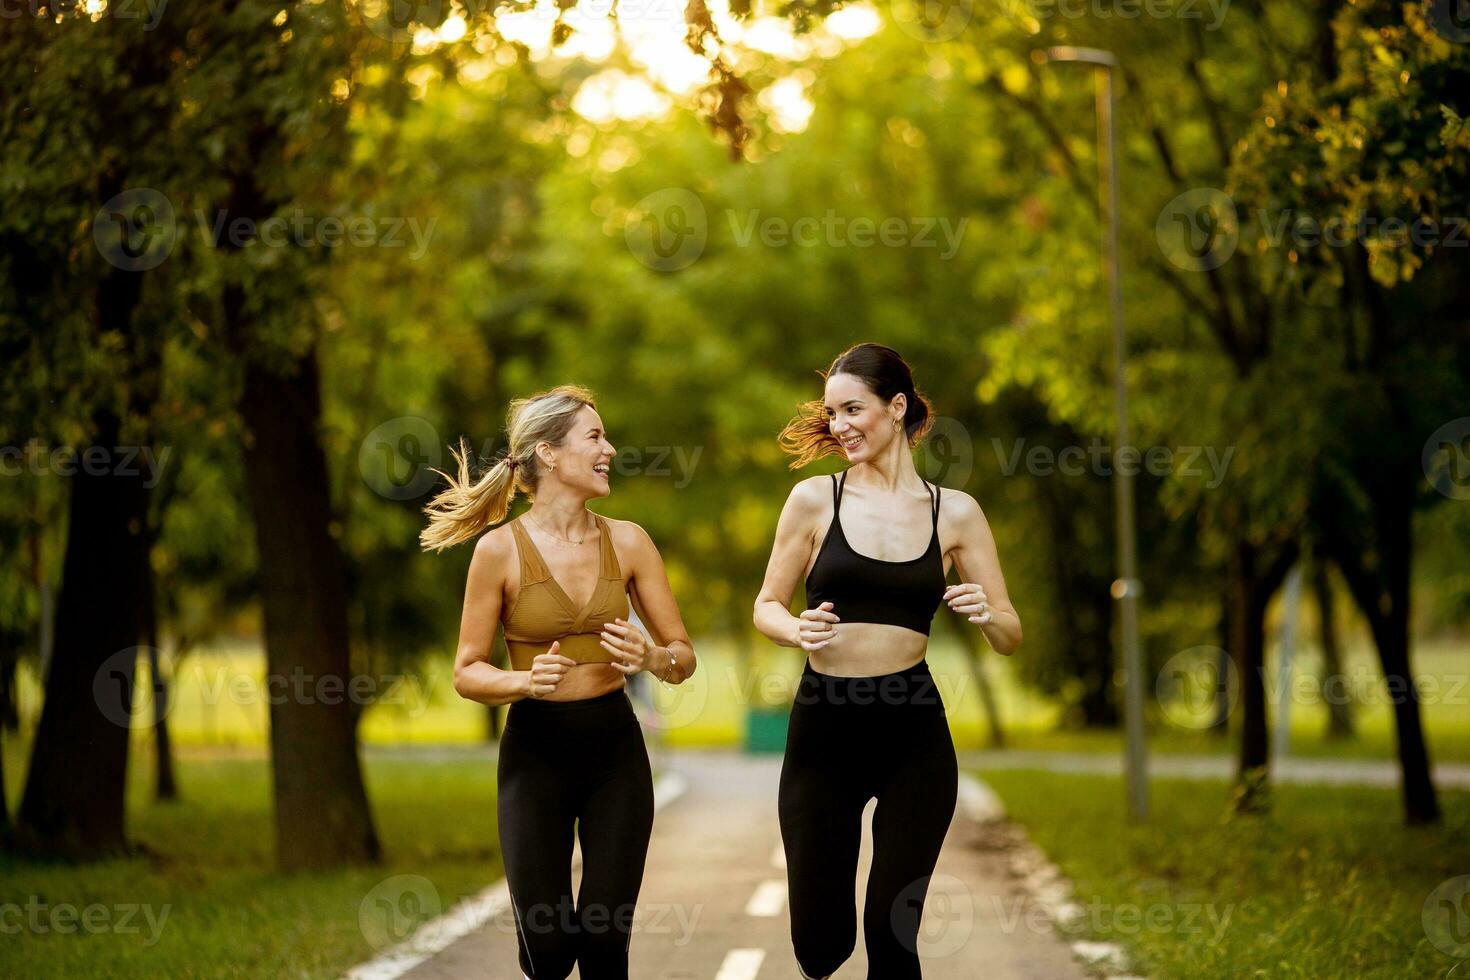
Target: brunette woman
<point x="874" y="546"/>
<point x="558" y="579"/>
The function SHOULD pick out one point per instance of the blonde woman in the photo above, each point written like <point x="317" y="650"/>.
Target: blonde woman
<point x="873" y="547"/>
<point x="559" y="579"/>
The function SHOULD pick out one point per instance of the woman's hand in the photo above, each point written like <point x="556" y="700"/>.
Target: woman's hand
<point x="627" y="645"/>
<point x="814" y="627"/>
<point x="548" y="669"/>
<point x="969" y="600"/>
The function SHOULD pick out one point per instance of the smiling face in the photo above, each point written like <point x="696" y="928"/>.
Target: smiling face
<point x="860" y="419"/>
<point x="583" y="462"/>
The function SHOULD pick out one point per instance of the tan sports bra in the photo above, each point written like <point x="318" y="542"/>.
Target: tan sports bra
<point x="543" y="613"/>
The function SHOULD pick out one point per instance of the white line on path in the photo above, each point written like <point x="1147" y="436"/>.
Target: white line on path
<point x="741" y="964"/>
<point x="438" y="934"/>
<point x="768" y="900"/>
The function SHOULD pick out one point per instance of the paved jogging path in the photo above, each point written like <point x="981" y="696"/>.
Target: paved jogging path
<point x="713" y="903"/>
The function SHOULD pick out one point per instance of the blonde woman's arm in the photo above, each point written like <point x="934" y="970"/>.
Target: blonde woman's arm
<point x="475" y="677"/>
<point x="671" y="656"/>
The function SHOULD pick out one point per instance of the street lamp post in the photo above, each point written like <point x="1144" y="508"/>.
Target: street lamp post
<point x="1125" y="588"/>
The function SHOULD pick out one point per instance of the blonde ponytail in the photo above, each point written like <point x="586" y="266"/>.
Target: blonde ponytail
<point x="467" y="507"/>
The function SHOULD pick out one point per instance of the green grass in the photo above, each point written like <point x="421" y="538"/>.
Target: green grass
<point x="1328" y="884"/>
<point x="220" y="908"/>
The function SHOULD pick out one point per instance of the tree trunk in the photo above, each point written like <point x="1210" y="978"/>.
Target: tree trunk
<point x="322" y="814"/>
<point x="974" y="644"/>
<point x="73" y="805"/>
<point x="164" y="787"/>
<point x="1379" y="580"/>
<point x="1336" y="693"/>
<point x="1220" y="726"/>
<point x="1254" y="576"/>
<point x="1085" y="632"/>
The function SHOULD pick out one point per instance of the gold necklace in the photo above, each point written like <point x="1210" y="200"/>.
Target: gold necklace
<point x="554" y="534"/>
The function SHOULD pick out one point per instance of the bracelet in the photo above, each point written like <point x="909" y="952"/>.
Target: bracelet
<point x="664" y="680"/>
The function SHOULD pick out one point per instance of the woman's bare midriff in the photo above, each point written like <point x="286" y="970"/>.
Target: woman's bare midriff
<point x="586" y="681"/>
<point x="869" y="649"/>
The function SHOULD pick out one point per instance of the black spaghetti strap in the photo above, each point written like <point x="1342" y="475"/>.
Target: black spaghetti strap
<point x="937" y="491"/>
<point x="834" y="491"/>
<point x="841" y="485"/>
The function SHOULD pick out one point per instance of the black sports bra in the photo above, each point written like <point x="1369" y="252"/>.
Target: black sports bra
<point x="870" y="590"/>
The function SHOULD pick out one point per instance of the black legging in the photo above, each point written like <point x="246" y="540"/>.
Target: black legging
<point x="852" y="739"/>
<point x="566" y="762"/>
